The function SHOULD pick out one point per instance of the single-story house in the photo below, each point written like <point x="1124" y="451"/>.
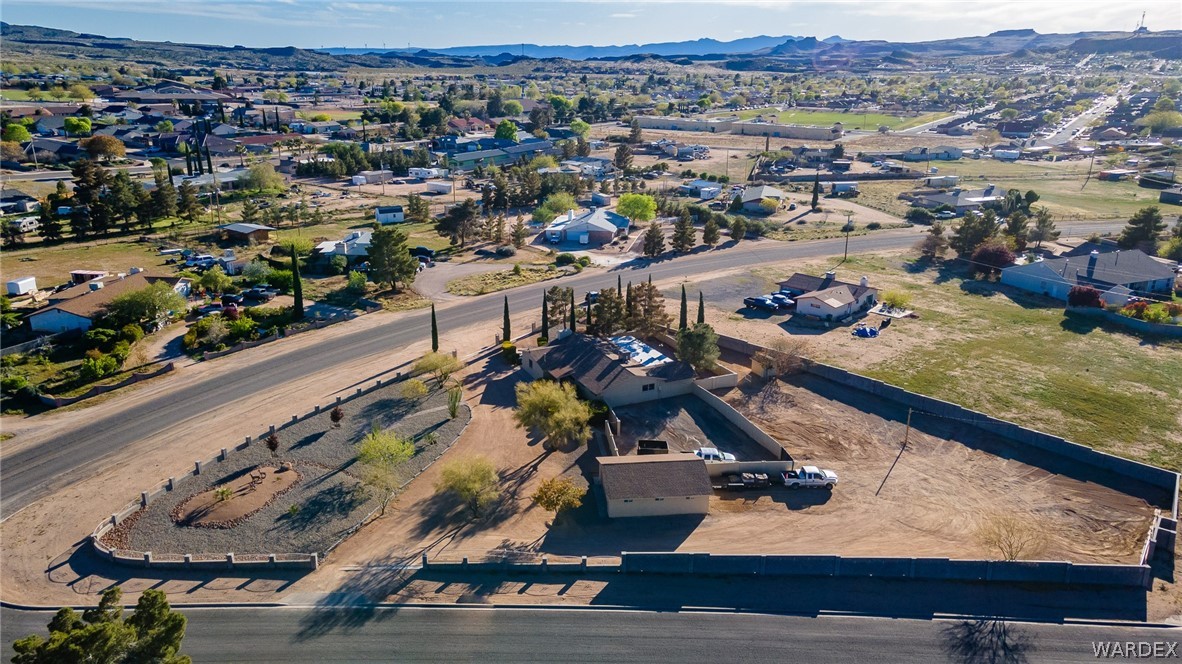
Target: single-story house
<point x="753" y="196"/>
<point x="467" y="124"/>
<point x="426" y="173"/>
<point x="247" y="232"/>
<point x="51" y="150"/>
<point x="595" y="167"/>
<point x="703" y="189"/>
<point x="13" y="201"/>
<point x="941" y="153"/>
<point x="86" y="303"/>
<point x="1017" y="128"/>
<point x="354" y="245"/>
<point x="655" y="485"/>
<point x="827" y="298"/>
<point x="960" y="200"/>
<point x="389" y="214"/>
<point x="1130" y="269"/>
<point x="1173" y="195"/>
<point x="230" y="179"/>
<point x="596" y="226"/>
<point x="620" y="370"/>
<point x="324" y="128"/>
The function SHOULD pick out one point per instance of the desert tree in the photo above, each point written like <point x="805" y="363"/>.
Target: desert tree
<point x="473" y="480"/>
<point x="382" y="455"/>
<point x="553" y="410"/>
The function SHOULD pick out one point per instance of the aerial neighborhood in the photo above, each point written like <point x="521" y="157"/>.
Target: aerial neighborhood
<point x="437" y="325"/>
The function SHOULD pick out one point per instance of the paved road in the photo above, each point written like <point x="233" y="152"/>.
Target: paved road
<point x="37" y="471"/>
<point x="529" y="635"/>
<point x="53" y="176"/>
<point x="1081" y="121"/>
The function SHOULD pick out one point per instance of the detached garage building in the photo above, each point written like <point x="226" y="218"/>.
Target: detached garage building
<point x="659" y="485"/>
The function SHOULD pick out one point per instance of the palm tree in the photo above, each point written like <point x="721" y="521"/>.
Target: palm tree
<point x="240" y="150"/>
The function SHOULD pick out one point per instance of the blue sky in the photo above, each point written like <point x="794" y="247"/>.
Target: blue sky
<point x="422" y="23"/>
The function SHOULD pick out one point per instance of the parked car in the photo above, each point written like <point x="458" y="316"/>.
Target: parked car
<point x="199" y="259"/>
<point x="232" y="298"/>
<point x="767" y="304"/>
<point x="426" y="260"/>
<point x="946" y="214"/>
<point x="712" y="454"/>
<point x="792" y="206"/>
<point x="782" y="300"/>
<point x="258" y="294"/>
<point x="213" y="308"/>
<point x="809" y="477"/>
<point x="422" y="251"/>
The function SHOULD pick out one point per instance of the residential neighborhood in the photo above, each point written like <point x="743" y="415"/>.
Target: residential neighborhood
<point x="584" y="324"/>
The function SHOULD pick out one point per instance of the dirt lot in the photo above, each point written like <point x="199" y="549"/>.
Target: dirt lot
<point x="686" y="424"/>
<point x="927" y="499"/>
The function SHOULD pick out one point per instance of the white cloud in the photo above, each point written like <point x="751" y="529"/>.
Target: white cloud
<point x="622" y="15"/>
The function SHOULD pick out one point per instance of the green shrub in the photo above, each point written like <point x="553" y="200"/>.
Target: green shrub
<point x="509" y="352"/>
<point x="585" y="261"/>
<point x="13" y="384"/>
<point x="564" y="259"/>
<point x="1157" y="315"/>
<point x="121" y="351"/>
<point x="873" y="226"/>
<point x="356" y="282"/>
<point x="244" y="328"/>
<point x="100" y="338"/>
<point x="542" y="341"/>
<point x="131" y="333"/>
<point x="93" y="369"/>
<point x="337" y="264"/>
<point x="281" y="280"/>
<point x="598" y="412"/>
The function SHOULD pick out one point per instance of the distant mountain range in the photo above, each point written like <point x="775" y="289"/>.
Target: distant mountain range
<point x="763" y="53"/>
<point x="695" y="47"/>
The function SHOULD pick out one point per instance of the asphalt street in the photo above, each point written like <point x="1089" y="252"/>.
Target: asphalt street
<point x="29" y="474"/>
<point x="34" y="472"/>
<point x="551" y="635"/>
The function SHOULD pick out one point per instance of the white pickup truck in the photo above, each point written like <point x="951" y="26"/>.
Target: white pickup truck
<point x="809" y="477"/>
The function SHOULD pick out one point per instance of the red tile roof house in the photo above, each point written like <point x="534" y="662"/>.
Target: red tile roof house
<point x="86" y="303"/>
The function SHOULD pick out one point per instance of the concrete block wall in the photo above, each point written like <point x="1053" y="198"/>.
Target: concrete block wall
<point x="58" y="402"/>
<point x="745" y="425"/>
<point x="1164" y="329"/>
<point x="1151" y="475"/>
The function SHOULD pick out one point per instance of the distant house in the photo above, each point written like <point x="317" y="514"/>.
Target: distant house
<point x="753" y="197"/>
<point x="467" y="124"/>
<point x="703" y="189"/>
<point x="656" y="485"/>
<point x="51" y="150"/>
<point x="941" y="153"/>
<point x="1116" y="274"/>
<point x="619" y="371"/>
<point x="323" y="128"/>
<point x="827" y="298"/>
<point x="231" y="179"/>
<point x="389" y="214"/>
<point x="252" y="233"/>
<point x="960" y="200"/>
<point x="1172" y="196"/>
<point x="86" y="303"/>
<point x="13" y="201"/>
<point x="1017" y="128"/>
<point x="594" y="227"/>
<point x="354" y="245"/>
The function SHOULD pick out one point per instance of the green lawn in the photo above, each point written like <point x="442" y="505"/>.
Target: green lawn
<point x="1061" y="186"/>
<point x="1017" y="357"/>
<point x="14" y="94"/>
<point x="853" y="120"/>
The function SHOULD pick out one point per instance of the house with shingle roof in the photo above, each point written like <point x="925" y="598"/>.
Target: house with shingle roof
<point x="656" y="485"/>
<point x="85" y="303"/>
<point x="1116" y="274"/>
<point x="827" y="298"/>
<point x="620" y="370"/>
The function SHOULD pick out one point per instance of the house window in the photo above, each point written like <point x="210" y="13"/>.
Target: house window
<point x="649" y="387"/>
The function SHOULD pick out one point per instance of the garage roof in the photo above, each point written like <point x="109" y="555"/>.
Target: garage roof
<point x="655" y="476"/>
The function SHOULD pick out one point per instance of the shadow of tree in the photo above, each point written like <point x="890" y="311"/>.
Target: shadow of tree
<point x="333" y="502"/>
<point x="987" y="642"/>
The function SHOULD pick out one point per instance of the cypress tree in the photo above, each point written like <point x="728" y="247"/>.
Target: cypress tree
<point x="619" y="285"/>
<point x="545" y="317"/>
<point x="683" y="320"/>
<point x="816" y="190"/>
<point x="297" y="286"/>
<point x="701" y="309"/>
<point x="434" y="331"/>
<point x="628" y="302"/>
<point x="208" y="159"/>
<point x="505" y="334"/>
<point x="573" y="311"/>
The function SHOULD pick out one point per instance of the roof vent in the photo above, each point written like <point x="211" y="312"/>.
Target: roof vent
<point x="95" y="285"/>
<point x="136" y="270"/>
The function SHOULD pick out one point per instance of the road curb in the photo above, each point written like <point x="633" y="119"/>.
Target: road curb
<point x="613" y="608"/>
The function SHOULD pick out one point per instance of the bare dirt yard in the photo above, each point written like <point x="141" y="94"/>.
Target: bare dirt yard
<point x="686" y="424"/>
<point x="928" y="498"/>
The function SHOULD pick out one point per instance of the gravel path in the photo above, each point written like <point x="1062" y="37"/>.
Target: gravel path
<point x="330" y="497"/>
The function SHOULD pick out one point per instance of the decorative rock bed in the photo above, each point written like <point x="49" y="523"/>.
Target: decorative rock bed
<point x="327" y="494"/>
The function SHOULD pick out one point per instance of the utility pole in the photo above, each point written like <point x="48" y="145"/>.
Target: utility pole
<point x="907" y="433"/>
